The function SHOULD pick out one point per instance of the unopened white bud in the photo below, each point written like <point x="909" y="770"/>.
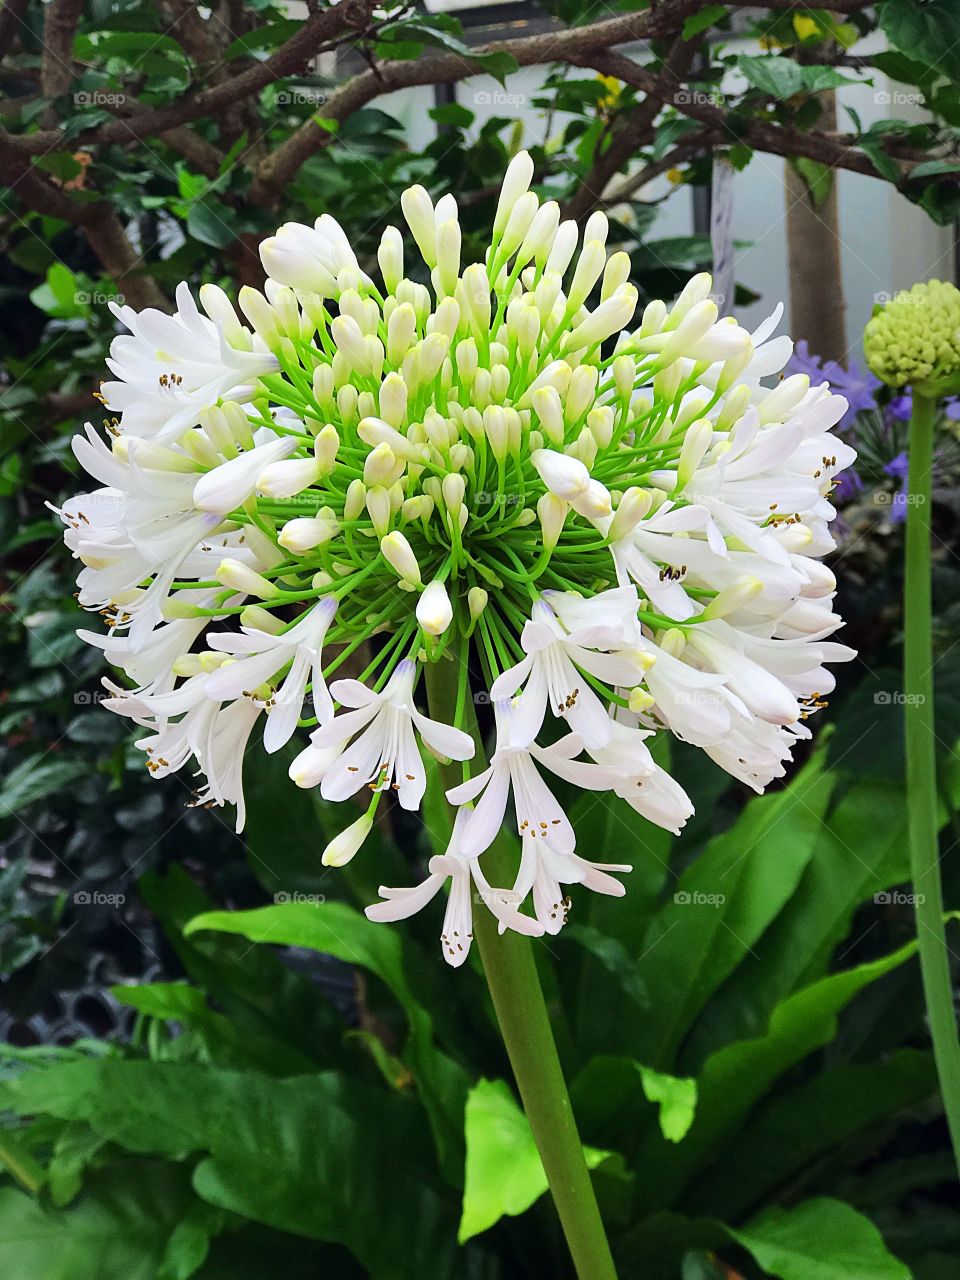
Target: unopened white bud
<point x="348" y="843"/>
<point x="399" y="555"/>
<point x="633" y="506"/>
<point x="390" y="258"/>
<point x="552" y="512"/>
<point x="453" y="488"/>
<point x="516" y="182"/>
<point x="477" y="601"/>
<point x="566" y="477"/>
<point x="286" y="479"/>
<point x="355" y="500"/>
<point x="307" y="532"/>
<point x="549" y="409"/>
<point x="434" y="610"/>
<point x="784" y="398"/>
<point x="418" y="210"/>
<point x="733" y="597"/>
<point x="240" y="577"/>
<point x="696" y="442"/>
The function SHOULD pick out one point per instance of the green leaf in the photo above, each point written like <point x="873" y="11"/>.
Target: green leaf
<point x="708" y="16"/>
<point x="843" y="872"/>
<point x="928" y="32"/>
<point x="782" y="77"/>
<point x="36" y="778"/>
<point x="118" y="1227"/>
<point x="504" y="1173"/>
<point x="723" y="904"/>
<point x="818" y="178"/>
<point x="320" y="1156"/>
<point x="210" y="222"/>
<point x="736" y="1077"/>
<point x="339" y="930"/>
<point x="802" y="1125"/>
<point x="676" y="1097"/>
<point x="819" y="1240"/>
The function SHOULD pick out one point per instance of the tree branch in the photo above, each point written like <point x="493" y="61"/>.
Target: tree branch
<point x="632" y="130"/>
<point x="837" y="151"/>
<point x="59" y="30"/>
<point x="11" y="20"/>
<point x="319" y="28"/>
<point x="277" y="169"/>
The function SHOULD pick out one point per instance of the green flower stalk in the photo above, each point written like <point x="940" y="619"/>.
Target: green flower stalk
<point x="915" y="340"/>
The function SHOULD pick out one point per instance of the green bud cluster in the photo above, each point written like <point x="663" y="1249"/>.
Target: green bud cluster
<point x="914" y="339"/>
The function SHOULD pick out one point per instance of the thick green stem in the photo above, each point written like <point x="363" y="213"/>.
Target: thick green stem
<point x="922" y="768"/>
<point x="511" y="973"/>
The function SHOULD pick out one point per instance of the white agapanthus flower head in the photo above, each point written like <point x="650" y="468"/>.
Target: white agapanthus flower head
<point x="609" y="526"/>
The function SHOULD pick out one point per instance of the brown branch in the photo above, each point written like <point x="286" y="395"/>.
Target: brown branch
<point x="691" y="145"/>
<point x="59" y="30"/>
<point x="277" y="169"/>
<point x="837" y="151"/>
<point x="289" y="58"/>
<point x="632" y="130"/>
<point x="202" y="156"/>
<point x="120" y="261"/>
<point x="11" y="21"/>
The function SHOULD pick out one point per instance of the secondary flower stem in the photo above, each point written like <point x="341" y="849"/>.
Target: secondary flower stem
<point x="922" y="768"/>
<point x="514" y="984"/>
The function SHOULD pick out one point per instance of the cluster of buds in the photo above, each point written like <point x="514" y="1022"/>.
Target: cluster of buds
<point x="608" y="526"/>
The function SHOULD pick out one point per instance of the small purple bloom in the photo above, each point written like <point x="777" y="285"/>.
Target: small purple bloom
<point x="847" y="485"/>
<point x="858" y="386"/>
<point x="900" y="407"/>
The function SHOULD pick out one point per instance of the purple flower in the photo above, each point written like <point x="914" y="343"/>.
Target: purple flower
<point x="897" y="468"/>
<point x="848" y="484"/>
<point x="858" y="386"/>
<point x="900" y="407"/>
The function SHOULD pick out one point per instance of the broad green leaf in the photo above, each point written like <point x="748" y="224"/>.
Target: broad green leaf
<point x="211" y="223"/>
<point x="504" y="1173"/>
<point x="722" y="905"/>
<point x="339" y="930"/>
<point x="736" y="1077"/>
<point x="320" y="1156"/>
<point x="782" y="77"/>
<point x="928" y="32"/>
<point x="819" y="1240"/>
<point x="850" y="863"/>
<point x="119" y="1226"/>
<point x="803" y="1124"/>
<point x="227" y="1045"/>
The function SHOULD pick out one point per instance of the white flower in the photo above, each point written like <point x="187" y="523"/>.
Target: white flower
<point x="548" y="843"/>
<point x="553" y="671"/>
<point x="172" y="368"/>
<point x="462" y="872"/>
<point x="261" y="656"/>
<point x="384" y="752"/>
<point x="438" y="450"/>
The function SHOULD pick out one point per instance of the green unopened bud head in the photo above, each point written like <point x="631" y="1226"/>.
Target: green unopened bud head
<point x="915" y="339"/>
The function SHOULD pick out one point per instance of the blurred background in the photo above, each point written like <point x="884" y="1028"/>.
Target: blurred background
<point x="803" y="155"/>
